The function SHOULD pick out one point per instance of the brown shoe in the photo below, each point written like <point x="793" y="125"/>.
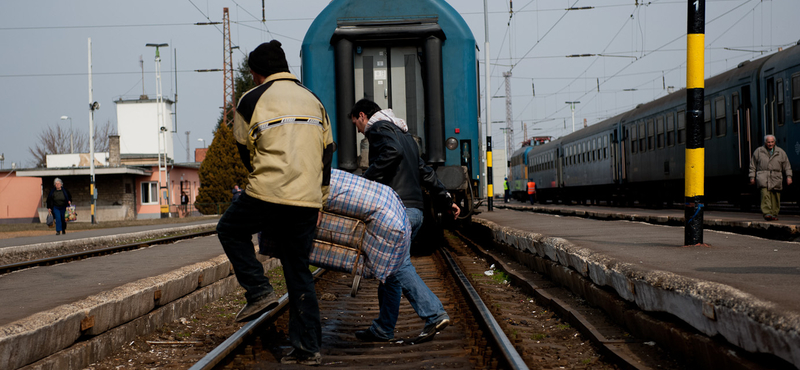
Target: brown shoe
<point x="252" y="310"/>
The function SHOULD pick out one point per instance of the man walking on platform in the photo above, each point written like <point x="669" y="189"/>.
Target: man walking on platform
<point x="531" y="191"/>
<point x="284" y="139"/>
<point x="767" y="168"/>
<point x="394" y="160"/>
<point x="505" y="190"/>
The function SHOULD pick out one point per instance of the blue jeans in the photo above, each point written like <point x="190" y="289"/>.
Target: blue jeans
<point x="292" y="229"/>
<point x="405" y="280"/>
<point x="58" y="215"/>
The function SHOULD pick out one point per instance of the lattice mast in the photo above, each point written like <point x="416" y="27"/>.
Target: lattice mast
<point x="509" y="115"/>
<point x="229" y="99"/>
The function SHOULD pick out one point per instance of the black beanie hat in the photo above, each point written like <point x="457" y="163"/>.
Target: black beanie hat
<point x="268" y="58"/>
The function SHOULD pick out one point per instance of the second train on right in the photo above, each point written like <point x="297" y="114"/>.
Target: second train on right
<point x="639" y="156"/>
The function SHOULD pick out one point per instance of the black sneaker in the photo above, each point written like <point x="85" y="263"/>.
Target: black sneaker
<point x="297" y="357"/>
<point x="58" y="232"/>
<point x="368" y="336"/>
<point x="430" y="331"/>
<point x="252" y="310"/>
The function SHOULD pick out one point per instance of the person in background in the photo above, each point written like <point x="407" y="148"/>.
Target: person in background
<point x="532" y="191"/>
<point x="57" y="202"/>
<point x="284" y="139"/>
<point x="767" y="168"/>
<point x="394" y="160"/>
<point x="184" y="202"/>
<point x="505" y="190"/>
<point x="236" y="193"/>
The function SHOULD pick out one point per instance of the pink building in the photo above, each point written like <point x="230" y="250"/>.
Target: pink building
<point x="19" y="198"/>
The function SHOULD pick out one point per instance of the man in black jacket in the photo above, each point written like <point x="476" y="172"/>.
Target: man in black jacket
<point x="394" y="160"/>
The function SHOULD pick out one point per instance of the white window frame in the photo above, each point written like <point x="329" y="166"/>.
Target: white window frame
<point x="151" y="189"/>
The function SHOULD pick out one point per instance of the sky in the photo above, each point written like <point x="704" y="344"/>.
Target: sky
<point x="637" y="50"/>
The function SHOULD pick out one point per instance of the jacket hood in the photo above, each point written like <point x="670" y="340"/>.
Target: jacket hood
<point x="387" y="115"/>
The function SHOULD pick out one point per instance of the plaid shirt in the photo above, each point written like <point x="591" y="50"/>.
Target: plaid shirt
<point x="386" y="237"/>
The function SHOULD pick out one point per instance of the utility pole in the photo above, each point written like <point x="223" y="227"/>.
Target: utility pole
<point x="229" y="105"/>
<point x="163" y="179"/>
<point x="187" y="146"/>
<point x="93" y="105"/>
<point x="509" y="116"/>
<point x="488" y="97"/>
<point x="695" y="146"/>
<point x="572" y="107"/>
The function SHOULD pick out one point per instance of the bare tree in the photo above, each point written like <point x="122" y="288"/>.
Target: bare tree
<point x="57" y="141"/>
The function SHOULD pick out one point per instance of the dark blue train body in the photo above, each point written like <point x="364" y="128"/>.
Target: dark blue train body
<point x="639" y="155"/>
<point x="417" y="57"/>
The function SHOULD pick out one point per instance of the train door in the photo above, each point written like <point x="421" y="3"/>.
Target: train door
<point x="612" y="148"/>
<point x="559" y="182"/>
<point x="769" y="108"/>
<point x="392" y="78"/>
<point x="624" y="155"/>
<point x="747" y="132"/>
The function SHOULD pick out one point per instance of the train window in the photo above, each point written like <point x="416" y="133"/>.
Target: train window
<point x="633" y="139"/>
<point x="598" y="144"/>
<point x="781" y="112"/>
<point x="660" y="132"/>
<point x="796" y="98"/>
<point x="681" y="127"/>
<point x="642" y="138"/>
<point x="735" y="109"/>
<point x="670" y="129"/>
<point x="720" y="123"/>
<point x="593" y="145"/>
<point x="707" y="120"/>
<point x="605" y="147"/>
<point x="650" y="134"/>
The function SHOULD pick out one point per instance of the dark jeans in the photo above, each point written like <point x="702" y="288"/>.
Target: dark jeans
<point x="59" y="214"/>
<point x="292" y="229"/>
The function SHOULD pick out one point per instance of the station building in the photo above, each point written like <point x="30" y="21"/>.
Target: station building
<point x="126" y="177"/>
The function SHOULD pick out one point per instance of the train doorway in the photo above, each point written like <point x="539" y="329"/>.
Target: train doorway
<point x="748" y="131"/>
<point x="392" y="78"/>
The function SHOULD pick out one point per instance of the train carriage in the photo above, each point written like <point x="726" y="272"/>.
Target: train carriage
<point x="639" y="156"/>
<point x="518" y="173"/>
<point x="417" y="57"/>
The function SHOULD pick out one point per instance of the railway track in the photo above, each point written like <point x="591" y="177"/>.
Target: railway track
<point x="498" y="326"/>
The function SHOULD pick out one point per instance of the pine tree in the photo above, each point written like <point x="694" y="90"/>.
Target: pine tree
<point x="219" y="172"/>
<point x="222" y="168"/>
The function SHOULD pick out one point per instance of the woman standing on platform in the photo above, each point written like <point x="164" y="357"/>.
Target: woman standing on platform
<point x="57" y="202"/>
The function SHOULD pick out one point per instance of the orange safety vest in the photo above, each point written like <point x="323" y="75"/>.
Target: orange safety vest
<point x="531" y="187"/>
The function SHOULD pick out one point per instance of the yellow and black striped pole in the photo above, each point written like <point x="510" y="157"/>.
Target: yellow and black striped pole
<point x="695" y="147"/>
<point x="489" y="186"/>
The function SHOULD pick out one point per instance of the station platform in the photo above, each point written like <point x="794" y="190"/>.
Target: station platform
<point x="741" y="287"/>
<point x="101" y="303"/>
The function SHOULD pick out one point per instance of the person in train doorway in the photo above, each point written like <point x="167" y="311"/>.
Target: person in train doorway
<point x="532" y="191"/>
<point x="505" y="190"/>
<point x="57" y="201"/>
<point x="768" y="166"/>
<point x="394" y="160"/>
<point x="284" y="139"/>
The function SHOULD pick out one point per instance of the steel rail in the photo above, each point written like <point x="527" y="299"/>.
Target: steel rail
<point x="218" y="354"/>
<point x="496" y="334"/>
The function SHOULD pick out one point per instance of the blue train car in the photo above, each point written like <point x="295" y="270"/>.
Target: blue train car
<point x="518" y="173"/>
<point x="417" y="57"/>
<point x="639" y="156"/>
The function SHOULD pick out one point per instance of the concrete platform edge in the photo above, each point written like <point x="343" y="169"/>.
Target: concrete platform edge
<point x="117" y="315"/>
<point x="16" y="252"/>
<point x="711" y="308"/>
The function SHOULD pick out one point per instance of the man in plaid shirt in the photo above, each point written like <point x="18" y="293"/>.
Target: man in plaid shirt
<point x="394" y="160"/>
